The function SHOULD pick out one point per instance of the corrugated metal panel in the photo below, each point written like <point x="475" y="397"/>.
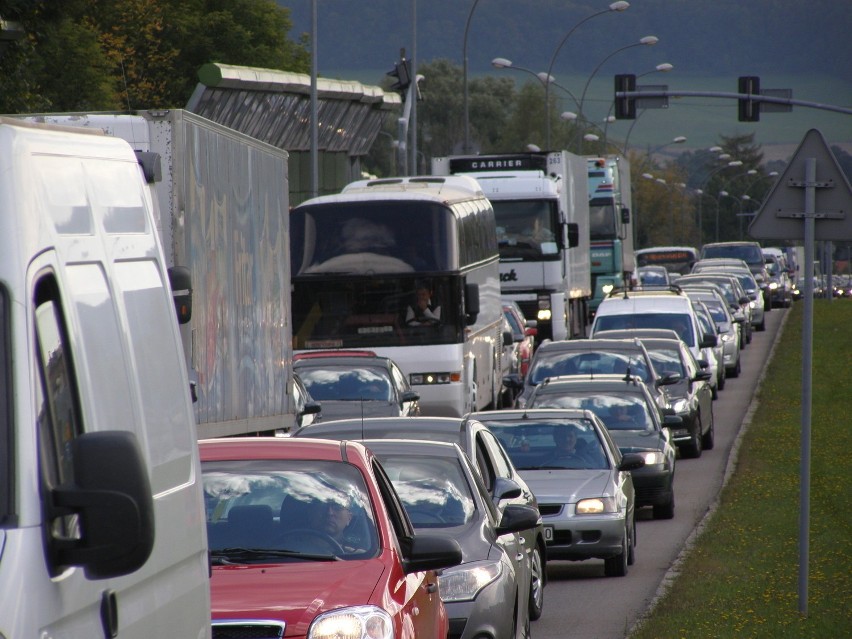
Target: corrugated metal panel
<point x="274" y="106"/>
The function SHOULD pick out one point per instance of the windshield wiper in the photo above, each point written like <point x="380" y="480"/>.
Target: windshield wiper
<point x="228" y="555"/>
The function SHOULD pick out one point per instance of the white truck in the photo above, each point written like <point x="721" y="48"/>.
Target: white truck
<point x="102" y="530"/>
<point x="221" y="205"/>
<point x="541" y="206"/>
<point x="610" y="226"/>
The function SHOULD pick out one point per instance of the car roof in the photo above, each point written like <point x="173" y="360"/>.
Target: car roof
<point x="357" y="428"/>
<point x="590" y="344"/>
<point x="531" y="413"/>
<point x="278" y="448"/>
<point x="420" y="446"/>
<point x="320" y="355"/>
<point x="622" y="383"/>
<point x="637" y="333"/>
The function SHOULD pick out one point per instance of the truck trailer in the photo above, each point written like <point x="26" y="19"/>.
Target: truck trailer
<point x="221" y="209"/>
<point x="541" y="208"/>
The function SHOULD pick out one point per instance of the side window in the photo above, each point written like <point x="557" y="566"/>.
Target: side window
<point x="7" y="444"/>
<point x="59" y="417"/>
<point x="399" y="379"/>
<point x="502" y="467"/>
<point x="396" y="511"/>
<point x="484" y="464"/>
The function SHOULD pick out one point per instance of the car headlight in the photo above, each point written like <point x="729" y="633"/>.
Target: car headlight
<point x="596" y="506"/>
<point x="653" y="457"/>
<point x="752" y="304"/>
<point x="680" y="405"/>
<point x="357" y="622"/>
<point x="726" y="337"/>
<point x="773" y="285"/>
<point x="464" y="582"/>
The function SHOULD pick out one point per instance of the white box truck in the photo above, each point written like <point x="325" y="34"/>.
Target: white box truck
<point x="541" y="206"/>
<point x="102" y="530"/>
<point x="221" y="204"/>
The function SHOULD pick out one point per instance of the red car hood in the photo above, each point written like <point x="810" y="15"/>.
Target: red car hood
<point x="292" y="592"/>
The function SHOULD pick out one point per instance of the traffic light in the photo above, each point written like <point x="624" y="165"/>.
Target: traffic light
<point x="749" y="110"/>
<point x="402" y="76"/>
<point x="625" y="108"/>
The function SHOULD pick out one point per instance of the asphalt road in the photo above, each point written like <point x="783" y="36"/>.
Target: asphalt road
<point x="579" y="601"/>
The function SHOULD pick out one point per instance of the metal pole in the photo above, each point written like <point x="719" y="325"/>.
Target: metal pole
<point x="413" y="94"/>
<point x="464" y="80"/>
<point x="807" y="363"/>
<point x="314" y="107"/>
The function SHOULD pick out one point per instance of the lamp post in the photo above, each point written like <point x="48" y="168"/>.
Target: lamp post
<point x="614" y="7"/>
<point x="314" y="105"/>
<point x="464" y="79"/>
<point x="647" y="41"/>
<point x="504" y="63"/>
<point x="718" y="200"/>
<point x="679" y="139"/>
<point x="729" y="164"/>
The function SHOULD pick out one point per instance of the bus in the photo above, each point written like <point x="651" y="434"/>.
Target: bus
<point x="363" y="258"/>
<point x="676" y="259"/>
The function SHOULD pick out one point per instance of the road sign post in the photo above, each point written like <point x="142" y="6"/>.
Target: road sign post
<point x="812" y="189"/>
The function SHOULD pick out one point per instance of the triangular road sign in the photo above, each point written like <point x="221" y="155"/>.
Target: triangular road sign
<point x="782" y="214"/>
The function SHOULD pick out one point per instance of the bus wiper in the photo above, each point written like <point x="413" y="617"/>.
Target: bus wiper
<point x="226" y="556"/>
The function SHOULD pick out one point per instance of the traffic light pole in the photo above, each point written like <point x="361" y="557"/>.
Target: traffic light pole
<point x="641" y="94"/>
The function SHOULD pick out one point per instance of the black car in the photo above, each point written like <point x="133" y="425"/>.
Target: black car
<point x="634" y="422"/>
<point x="484" y="450"/>
<point x="356" y="384"/>
<point x="691" y="397"/>
<point x="593" y="357"/>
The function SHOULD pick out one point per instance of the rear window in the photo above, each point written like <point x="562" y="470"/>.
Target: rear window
<point x="679" y="322"/>
<point x="751" y="254"/>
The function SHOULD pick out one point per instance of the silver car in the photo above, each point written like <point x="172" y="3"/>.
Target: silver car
<point x="726" y="323"/>
<point x="582" y="482"/>
<point x="488" y="594"/>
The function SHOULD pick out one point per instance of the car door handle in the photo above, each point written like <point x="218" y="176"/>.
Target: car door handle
<point x="431" y="588"/>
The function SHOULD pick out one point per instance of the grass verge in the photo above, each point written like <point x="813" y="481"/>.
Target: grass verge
<point x="741" y="577"/>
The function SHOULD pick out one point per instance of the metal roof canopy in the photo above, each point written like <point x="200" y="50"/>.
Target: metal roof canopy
<point x="274" y="107"/>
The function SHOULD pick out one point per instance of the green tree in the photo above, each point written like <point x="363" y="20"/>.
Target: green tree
<point x="91" y="55"/>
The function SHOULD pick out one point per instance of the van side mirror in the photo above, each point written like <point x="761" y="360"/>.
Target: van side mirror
<point x="471" y="302"/>
<point x="111" y="495"/>
<point x="625" y="215"/>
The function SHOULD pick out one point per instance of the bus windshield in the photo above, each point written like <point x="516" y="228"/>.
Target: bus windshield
<point x="527" y="229"/>
<point x="376" y="236"/>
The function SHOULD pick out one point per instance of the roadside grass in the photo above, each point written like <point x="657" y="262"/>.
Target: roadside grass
<point x="741" y="577"/>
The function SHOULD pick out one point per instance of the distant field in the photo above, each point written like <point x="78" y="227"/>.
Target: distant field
<point x="704" y="120"/>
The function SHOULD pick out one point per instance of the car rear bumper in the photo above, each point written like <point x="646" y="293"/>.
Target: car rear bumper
<point x="576" y="538"/>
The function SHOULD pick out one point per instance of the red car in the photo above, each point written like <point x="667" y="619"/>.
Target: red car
<point x="524" y="332"/>
<point x="308" y="539"/>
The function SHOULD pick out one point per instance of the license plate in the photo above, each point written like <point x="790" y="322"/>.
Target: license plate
<point x="548" y="533"/>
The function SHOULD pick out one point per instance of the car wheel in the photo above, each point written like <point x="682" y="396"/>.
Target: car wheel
<point x="714" y="390"/>
<point x="617" y="566"/>
<point x="721" y="383"/>
<point x="536" y="584"/>
<point x="693" y="447"/>
<point x="631" y="545"/>
<point x="761" y="326"/>
<point x="665" y="511"/>
<point x="707" y="439"/>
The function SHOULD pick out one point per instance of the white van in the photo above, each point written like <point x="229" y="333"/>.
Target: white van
<point x="102" y="530"/>
<point x="653" y="309"/>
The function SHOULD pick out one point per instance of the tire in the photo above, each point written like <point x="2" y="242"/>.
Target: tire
<point x="536" y="584"/>
<point x="694" y="448"/>
<point x="708" y="438"/>
<point x="665" y="511"/>
<point x="631" y="546"/>
<point x="735" y="371"/>
<point x="617" y="566"/>
<point x="722" y="378"/>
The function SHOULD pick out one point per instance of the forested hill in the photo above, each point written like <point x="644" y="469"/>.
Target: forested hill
<point x="700" y="37"/>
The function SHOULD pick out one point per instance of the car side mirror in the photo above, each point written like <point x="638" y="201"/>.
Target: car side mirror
<point x="513" y="381"/>
<point x="516" y="518"/>
<point x="709" y="341"/>
<point x="508" y="338"/>
<point x="703" y="376"/>
<point x="672" y="420"/>
<point x="631" y="461"/>
<point x="505" y="489"/>
<point x="669" y="379"/>
<point x="430" y="552"/>
<point x="409" y="396"/>
<point x="312" y="408"/>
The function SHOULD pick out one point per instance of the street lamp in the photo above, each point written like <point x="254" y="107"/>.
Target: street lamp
<point x="464" y="79"/>
<point x="647" y="41"/>
<point x="680" y="139"/>
<point x="718" y="200"/>
<point x="614" y="7"/>
<point x="729" y="164"/>
<point x="505" y="63"/>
